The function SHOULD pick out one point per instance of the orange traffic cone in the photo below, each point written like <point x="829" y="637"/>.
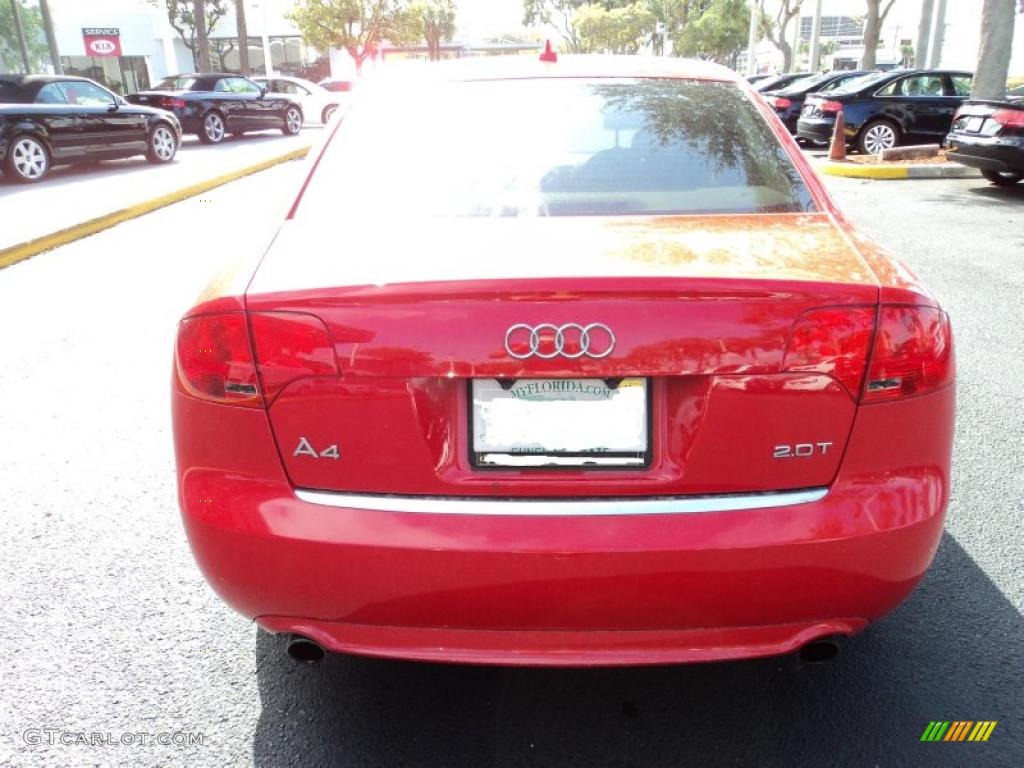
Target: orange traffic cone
<point x="837" y="151"/>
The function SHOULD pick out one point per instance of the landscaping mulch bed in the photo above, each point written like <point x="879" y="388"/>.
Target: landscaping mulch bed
<point x="873" y="160"/>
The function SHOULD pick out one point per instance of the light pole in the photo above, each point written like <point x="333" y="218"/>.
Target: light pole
<point x="268" y="63"/>
<point x="938" y="34"/>
<point x="755" y="18"/>
<point x="815" y="51"/>
<point x="51" y="38"/>
<point x="924" y="31"/>
<point x="795" y="41"/>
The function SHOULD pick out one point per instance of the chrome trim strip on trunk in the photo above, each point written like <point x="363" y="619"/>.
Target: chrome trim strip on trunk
<point x="560" y="507"/>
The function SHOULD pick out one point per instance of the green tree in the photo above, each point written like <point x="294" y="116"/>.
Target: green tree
<point x="615" y="30"/>
<point x="356" y="26"/>
<point x="560" y="14"/>
<point x="243" y="37"/>
<point x="193" y="20"/>
<point x="713" y="29"/>
<point x="997" y="21"/>
<point x="32" y="24"/>
<point x="436" y="19"/>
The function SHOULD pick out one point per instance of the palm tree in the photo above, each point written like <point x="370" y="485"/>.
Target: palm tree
<point x="997" y="18"/>
<point x="243" y="37"/>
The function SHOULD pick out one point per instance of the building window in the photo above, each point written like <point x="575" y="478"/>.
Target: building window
<point x="123" y="75"/>
<point x="291" y="56"/>
<point x="224" y="55"/>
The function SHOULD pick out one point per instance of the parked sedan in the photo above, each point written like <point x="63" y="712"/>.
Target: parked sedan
<point x="649" y="400"/>
<point x="214" y="105"/>
<point x="788" y="102"/>
<point x="989" y="135"/>
<point x="55" y="120"/>
<point x="885" y="109"/>
<point x="317" y="103"/>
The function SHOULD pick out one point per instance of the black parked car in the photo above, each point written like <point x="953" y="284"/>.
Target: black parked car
<point x="788" y="102"/>
<point x="885" y="109"/>
<point x="775" y="82"/>
<point x="48" y="120"/>
<point x="990" y="135"/>
<point x="213" y="105"/>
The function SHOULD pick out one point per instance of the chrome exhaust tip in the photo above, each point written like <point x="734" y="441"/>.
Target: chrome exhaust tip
<point x="819" y="651"/>
<point x="304" y="650"/>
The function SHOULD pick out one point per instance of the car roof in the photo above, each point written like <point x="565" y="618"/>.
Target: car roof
<point x="568" y="65"/>
<point x="26" y="80"/>
<point x="927" y="71"/>
<point x="204" y="75"/>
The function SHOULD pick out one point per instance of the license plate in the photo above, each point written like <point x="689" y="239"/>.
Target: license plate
<point x="590" y="423"/>
<point x="974" y="124"/>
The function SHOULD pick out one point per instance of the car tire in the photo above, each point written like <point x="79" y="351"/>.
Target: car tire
<point x="329" y="110"/>
<point x="212" y="130"/>
<point x="162" y="145"/>
<point x="876" y="136"/>
<point x="1003" y="178"/>
<point x="292" y="121"/>
<point x="28" y="160"/>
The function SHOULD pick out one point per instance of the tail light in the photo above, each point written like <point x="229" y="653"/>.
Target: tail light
<point x="215" y="357"/>
<point x="781" y="102"/>
<point x="170" y="102"/>
<point x="913" y="354"/>
<point x="831" y="107"/>
<point x="1009" y="118"/>
<point x="834" y="341"/>
<point x="290" y="346"/>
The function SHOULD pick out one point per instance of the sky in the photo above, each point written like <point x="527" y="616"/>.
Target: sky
<point x="486" y="18"/>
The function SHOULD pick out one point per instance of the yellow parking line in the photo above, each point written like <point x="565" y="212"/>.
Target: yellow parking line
<point x="30" y="248"/>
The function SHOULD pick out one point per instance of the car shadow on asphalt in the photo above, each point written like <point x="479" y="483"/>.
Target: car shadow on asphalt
<point x="953" y="651"/>
<point x="995" y="192"/>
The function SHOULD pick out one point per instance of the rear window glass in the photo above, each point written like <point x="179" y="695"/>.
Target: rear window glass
<point x="176" y="84"/>
<point x="11" y="94"/>
<point x="556" y="147"/>
<point x="859" y="83"/>
<point x="801" y="85"/>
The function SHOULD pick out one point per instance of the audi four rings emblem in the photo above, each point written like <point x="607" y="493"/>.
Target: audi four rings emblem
<point x="548" y="341"/>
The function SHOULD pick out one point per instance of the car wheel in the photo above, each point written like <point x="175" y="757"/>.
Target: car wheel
<point x="876" y="136"/>
<point x="28" y="160"/>
<point x="1003" y="178"/>
<point x="213" y="129"/>
<point x="328" y="111"/>
<point x="162" y="146"/>
<point x="292" y="121"/>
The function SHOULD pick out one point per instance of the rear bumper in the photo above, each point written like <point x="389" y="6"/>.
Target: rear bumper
<point x="817" y="130"/>
<point x="988" y="154"/>
<point x="570" y="589"/>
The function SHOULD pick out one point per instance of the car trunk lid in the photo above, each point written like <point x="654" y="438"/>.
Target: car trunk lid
<point x="701" y="311"/>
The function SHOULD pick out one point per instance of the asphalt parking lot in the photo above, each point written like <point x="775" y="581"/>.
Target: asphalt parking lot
<point x="108" y="627"/>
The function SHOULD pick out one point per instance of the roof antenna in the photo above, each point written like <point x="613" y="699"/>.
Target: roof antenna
<point x="548" y="53"/>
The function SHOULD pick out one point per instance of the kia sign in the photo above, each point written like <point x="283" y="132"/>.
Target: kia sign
<point x="102" y="41"/>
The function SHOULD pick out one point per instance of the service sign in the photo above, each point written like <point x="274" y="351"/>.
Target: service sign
<point x="102" y="41"/>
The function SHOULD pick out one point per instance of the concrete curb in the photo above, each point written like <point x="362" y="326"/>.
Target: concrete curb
<point x="15" y="253"/>
<point x="898" y="170"/>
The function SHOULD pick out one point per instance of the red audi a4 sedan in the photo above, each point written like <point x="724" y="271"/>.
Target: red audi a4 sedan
<point x="598" y="375"/>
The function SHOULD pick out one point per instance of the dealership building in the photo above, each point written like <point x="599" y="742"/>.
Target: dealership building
<point x="129" y="45"/>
